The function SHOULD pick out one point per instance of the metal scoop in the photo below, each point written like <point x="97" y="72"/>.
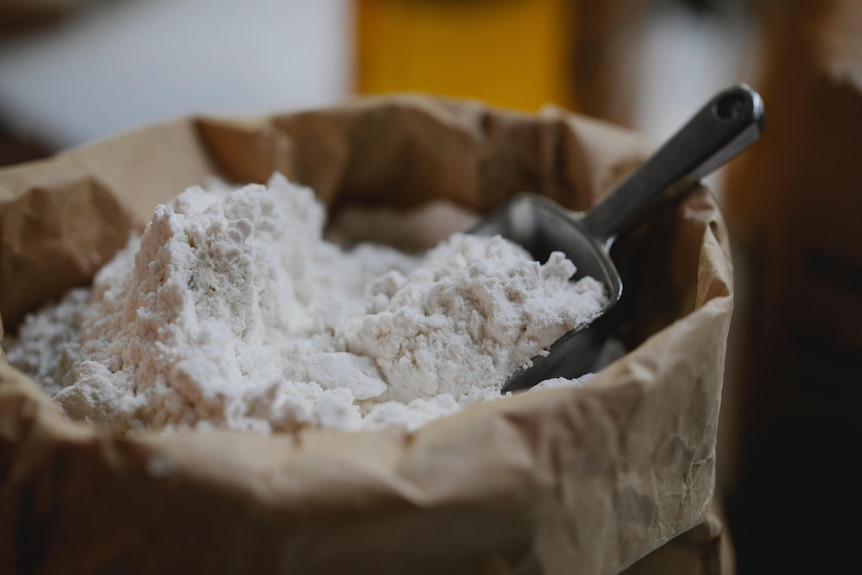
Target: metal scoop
<point x="728" y="124"/>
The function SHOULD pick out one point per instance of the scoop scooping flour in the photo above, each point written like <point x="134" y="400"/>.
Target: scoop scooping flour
<point x="232" y="310"/>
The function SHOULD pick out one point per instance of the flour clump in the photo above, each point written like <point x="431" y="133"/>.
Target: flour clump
<point x="231" y="309"/>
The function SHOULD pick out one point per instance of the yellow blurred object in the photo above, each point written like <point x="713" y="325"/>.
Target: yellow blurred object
<point x="516" y="54"/>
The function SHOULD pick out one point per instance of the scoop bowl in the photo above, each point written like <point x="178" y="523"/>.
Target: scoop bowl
<point x="725" y="126"/>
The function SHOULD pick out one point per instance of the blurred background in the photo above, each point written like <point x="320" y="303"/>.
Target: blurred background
<point x="72" y="71"/>
<point x="790" y="452"/>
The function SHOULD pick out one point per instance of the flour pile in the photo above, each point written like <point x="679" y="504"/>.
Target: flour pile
<point x="232" y="310"/>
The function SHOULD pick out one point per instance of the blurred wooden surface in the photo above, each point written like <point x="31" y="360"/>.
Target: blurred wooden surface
<point x="16" y="148"/>
<point x="793" y="204"/>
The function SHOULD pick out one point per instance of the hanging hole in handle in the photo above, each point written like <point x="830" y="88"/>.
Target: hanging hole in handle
<point x="729" y="107"/>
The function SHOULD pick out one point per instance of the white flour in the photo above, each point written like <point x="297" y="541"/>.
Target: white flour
<point x="232" y="310"/>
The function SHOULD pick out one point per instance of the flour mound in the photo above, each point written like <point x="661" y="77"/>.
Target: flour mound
<point x="476" y="310"/>
<point x="232" y="310"/>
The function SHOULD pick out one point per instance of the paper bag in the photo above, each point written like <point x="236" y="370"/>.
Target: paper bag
<point x="579" y="480"/>
<point x="705" y="549"/>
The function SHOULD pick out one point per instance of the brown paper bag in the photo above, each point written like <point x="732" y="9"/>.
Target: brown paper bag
<point x="705" y="549"/>
<point x="581" y="480"/>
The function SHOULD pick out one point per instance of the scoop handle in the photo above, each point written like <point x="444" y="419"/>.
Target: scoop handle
<point x="728" y="124"/>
